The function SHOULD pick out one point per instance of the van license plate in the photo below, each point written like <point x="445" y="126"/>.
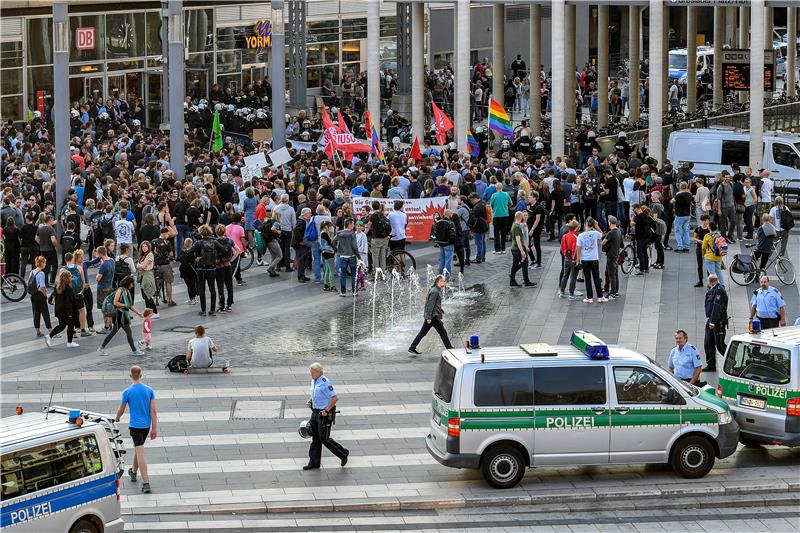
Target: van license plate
<point x="755" y="403"/>
<point x="437" y="418"/>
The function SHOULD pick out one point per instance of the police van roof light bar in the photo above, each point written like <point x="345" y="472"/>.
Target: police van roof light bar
<point x="590" y="345"/>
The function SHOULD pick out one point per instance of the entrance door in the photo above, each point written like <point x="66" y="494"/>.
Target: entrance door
<point x="85" y="88"/>
<point x="153" y="106"/>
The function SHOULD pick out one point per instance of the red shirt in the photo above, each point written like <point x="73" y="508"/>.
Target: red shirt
<point x="570" y="242"/>
<point x="261" y="212"/>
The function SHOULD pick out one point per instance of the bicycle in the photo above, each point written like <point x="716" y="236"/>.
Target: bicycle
<point x="13" y="287"/>
<point x="744" y="271"/>
<point x="246" y="258"/>
<point x="630" y="259"/>
<point x="399" y="260"/>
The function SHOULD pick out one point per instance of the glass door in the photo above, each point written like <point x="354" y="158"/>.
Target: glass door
<point x="153" y="100"/>
<point x="84" y="88"/>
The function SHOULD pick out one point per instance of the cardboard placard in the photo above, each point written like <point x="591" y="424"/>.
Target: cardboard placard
<point x="256" y="160"/>
<point x="262" y="134"/>
<point x="280" y="156"/>
<point x="251" y="172"/>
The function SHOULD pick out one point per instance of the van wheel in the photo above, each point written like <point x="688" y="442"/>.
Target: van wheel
<point x="503" y="467"/>
<point x="692" y="457"/>
<point x="84" y="526"/>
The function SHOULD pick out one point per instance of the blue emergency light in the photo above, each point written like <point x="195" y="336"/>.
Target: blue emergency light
<point x="474" y="342"/>
<point x="74" y="415"/>
<point x="590" y="345"/>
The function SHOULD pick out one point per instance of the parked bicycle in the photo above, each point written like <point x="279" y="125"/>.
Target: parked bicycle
<point x="745" y="270"/>
<point x="12" y="286"/>
<point x="401" y="261"/>
<point x="630" y="259"/>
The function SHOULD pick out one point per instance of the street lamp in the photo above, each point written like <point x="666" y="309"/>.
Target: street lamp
<point x="60" y="37"/>
<point x="176" y="28"/>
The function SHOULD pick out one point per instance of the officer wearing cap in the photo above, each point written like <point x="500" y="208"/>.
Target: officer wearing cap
<point x="684" y="361"/>
<point x="768" y="305"/>
<point x="322" y="403"/>
<point x="716" y="307"/>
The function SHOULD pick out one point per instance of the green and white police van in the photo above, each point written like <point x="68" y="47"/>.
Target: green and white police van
<point x="759" y="378"/>
<point x="501" y="409"/>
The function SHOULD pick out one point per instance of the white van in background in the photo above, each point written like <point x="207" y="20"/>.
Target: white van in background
<point x="713" y="150"/>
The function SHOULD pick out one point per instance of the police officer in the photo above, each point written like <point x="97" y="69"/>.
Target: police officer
<point x="322" y="403"/>
<point x="684" y="361"/>
<point x="716" y="322"/>
<point x="768" y="305"/>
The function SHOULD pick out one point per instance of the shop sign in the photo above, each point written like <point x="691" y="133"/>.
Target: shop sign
<point x="84" y="39"/>
<point x="262" y="36"/>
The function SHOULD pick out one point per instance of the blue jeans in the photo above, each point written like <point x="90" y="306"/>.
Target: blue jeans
<point x="179" y="239"/>
<point x="713" y="267"/>
<point x="480" y="247"/>
<point x="316" y="259"/>
<point x="446" y="259"/>
<point x="682" y="232"/>
<point x="347" y="264"/>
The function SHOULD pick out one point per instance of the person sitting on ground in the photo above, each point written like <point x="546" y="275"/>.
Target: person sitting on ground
<point x="199" y="354"/>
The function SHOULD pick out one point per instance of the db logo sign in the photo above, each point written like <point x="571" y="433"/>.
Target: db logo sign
<point x="84" y="39"/>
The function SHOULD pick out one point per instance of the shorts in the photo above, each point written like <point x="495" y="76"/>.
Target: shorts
<point x="79" y="303"/>
<point x="102" y="294"/>
<point x="399" y="244"/>
<point x="165" y="272"/>
<point x="139" y="435"/>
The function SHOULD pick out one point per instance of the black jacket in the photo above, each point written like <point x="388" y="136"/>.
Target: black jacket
<point x="445" y="232"/>
<point x="717" y="305"/>
<point x="479" y="218"/>
<point x="298" y="232"/>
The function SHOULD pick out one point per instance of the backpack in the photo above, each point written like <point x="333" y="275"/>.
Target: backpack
<point x="660" y="227"/>
<point x="107" y="308"/>
<point x="310" y="234"/>
<point x="382" y="226"/>
<point x="121" y="269"/>
<point x="107" y="227"/>
<point x="261" y="245"/>
<point x="208" y="254"/>
<point x="228" y="245"/>
<point x="32" y="286"/>
<point x="77" y="280"/>
<point x="489" y="214"/>
<point x="179" y="363"/>
<point x="94" y="220"/>
<point x="68" y="242"/>
<point x="719" y="245"/>
<point x="161" y="251"/>
<point x="787" y="219"/>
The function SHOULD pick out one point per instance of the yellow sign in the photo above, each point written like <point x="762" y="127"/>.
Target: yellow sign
<point x="262" y="36"/>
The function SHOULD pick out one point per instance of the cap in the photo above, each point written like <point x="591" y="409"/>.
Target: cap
<point x="360" y="223"/>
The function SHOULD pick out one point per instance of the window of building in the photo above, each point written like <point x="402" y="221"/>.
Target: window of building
<point x="199" y="28"/>
<point x="504" y="387"/>
<point x="40" y="41"/>
<point x="322" y="31"/>
<point x="578" y="385"/>
<point x="388" y="26"/>
<point x="87" y="21"/>
<point x="199" y="74"/>
<point x="11" y="54"/>
<point x="322" y="53"/>
<point x="351" y="51"/>
<point x="11" y="108"/>
<point x="40" y="79"/>
<point x="10" y="81"/>
<point x="153" y="42"/>
<point x="354" y="29"/>
<point x="125" y="35"/>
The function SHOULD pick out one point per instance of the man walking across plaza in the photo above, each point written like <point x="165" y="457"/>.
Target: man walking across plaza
<point x="433" y="316"/>
<point x="716" y="307"/>
<point x="143" y="421"/>
<point x="323" y="412"/>
<point x="520" y="250"/>
<point x="768" y="305"/>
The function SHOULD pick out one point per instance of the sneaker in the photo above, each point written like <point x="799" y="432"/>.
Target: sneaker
<point x="578" y="293"/>
<point x="588" y="300"/>
<point x="561" y="294"/>
<point x="190" y="302"/>
<point x="698" y="284"/>
<point x="148" y="348"/>
<point x="101" y="350"/>
<point x="260" y="263"/>
<point x="342" y="294"/>
<point x="228" y="309"/>
<point x="49" y="340"/>
<point x="221" y="310"/>
<point x="574" y="297"/>
<point x="602" y="300"/>
<point x="317" y="281"/>
<point x="201" y="313"/>
<point x="171" y="304"/>
<point x="414" y="351"/>
<point x="537" y="266"/>
<point x="155" y="316"/>
<point x="514" y="284"/>
<point x="146" y="488"/>
<point x="137" y="353"/>
<point x="638" y="273"/>
<point x="612" y="296"/>
<point x="242" y="282"/>
<point x="212" y="313"/>
<point x="529" y="284"/>
<point x="73" y="345"/>
<point x="86" y="334"/>
<point x="132" y="474"/>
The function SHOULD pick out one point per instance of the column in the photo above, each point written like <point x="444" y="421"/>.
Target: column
<point x="759" y="41"/>
<point x="602" y="65"/>
<point x="403" y="47"/>
<point x="417" y="68"/>
<point x="558" y="120"/>
<point x="665" y="58"/>
<point x="769" y="24"/>
<point x="165" y="69"/>
<point x="791" y="51"/>
<point x="462" y="121"/>
<point x="719" y="40"/>
<point x="373" y="60"/>
<point x="744" y="41"/>
<point x="535" y="58"/>
<point x="499" y="53"/>
<point x="730" y="27"/>
<point x="297" y="38"/>
<point x="656" y="104"/>
<point x="278" y="76"/>
<point x="633" y="51"/>
<point x="691" y="59"/>
<point x="569" y="64"/>
<point x="177" y="89"/>
<point x="60" y="111"/>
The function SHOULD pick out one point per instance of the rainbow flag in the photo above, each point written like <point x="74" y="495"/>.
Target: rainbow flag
<point x="499" y="120"/>
<point x="474" y="147"/>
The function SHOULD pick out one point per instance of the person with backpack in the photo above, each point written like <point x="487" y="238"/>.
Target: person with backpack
<point x="499" y="205"/>
<point x="104" y="278"/>
<point x="379" y="229"/>
<point x="715" y="247"/>
<point x="64" y="310"/>
<point x="205" y="253"/>
<point x="124" y="264"/>
<point x="479" y="225"/>
<point x="163" y="254"/>
<point x="119" y="306"/>
<point x="271" y="234"/>
<point x="77" y="281"/>
<point x="783" y="220"/>
<point x="86" y="318"/>
<point x="224" y="273"/>
<point x="147" y="278"/>
<point x="188" y="273"/>
<point x="46" y="238"/>
<point x="70" y="241"/>
<point x="37" y="289"/>
<point x="445" y="235"/>
<point x="643" y="233"/>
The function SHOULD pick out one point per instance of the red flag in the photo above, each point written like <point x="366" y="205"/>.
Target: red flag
<point x="330" y="133"/>
<point x="415" y="152"/>
<point x="342" y="124"/>
<point x="442" y="122"/>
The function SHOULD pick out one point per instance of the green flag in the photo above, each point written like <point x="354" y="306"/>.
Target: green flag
<point x="216" y="133"/>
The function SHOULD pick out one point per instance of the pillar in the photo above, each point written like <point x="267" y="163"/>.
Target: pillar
<point x="791" y="51"/>
<point x="759" y="41"/>
<point x="403" y="10"/>
<point x="278" y="76"/>
<point x="633" y="50"/>
<point x="719" y="40"/>
<point x="462" y="75"/>
<point x="297" y="39"/>
<point x="499" y="53"/>
<point x="177" y="89"/>
<point x="602" y="65"/>
<point x="373" y="60"/>
<point x="569" y="63"/>
<point x="417" y="68"/>
<point x="769" y="24"/>
<point x="730" y="27"/>
<point x="60" y="110"/>
<point x="657" y="70"/>
<point x="744" y="41"/>
<point x="558" y="120"/>
<point x="164" y="70"/>
<point x="535" y="58"/>
<point x="665" y="57"/>
<point x="691" y="59"/>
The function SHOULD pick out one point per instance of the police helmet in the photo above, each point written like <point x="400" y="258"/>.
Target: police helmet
<point x="539" y="145"/>
<point x="306" y="122"/>
<point x="203" y="101"/>
<point x="591" y="134"/>
<point x="202" y="106"/>
<point x="261" y="114"/>
<point x="538" y="139"/>
<point x="287" y="117"/>
<point x="251" y="117"/>
<point x="230" y="108"/>
<point x="389" y="113"/>
<point x="193" y="109"/>
<point x="505" y="143"/>
<point x="334" y="110"/>
<point x="101" y="116"/>
<point x="452" y="146"/>
<point x="622" y="135"/>
<point x="305" y="429"/>
<point x="185" y="106"/>
<point x="37" y="114"/>
<point x="136" y="123"/>
<point x="480" y="129"/>
<point x="265" y="99"/>
<point x="219" y="107"/>
<point x="74" y="113"/>
<point x="305" y="135"/>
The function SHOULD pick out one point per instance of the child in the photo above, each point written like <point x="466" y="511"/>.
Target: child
<point x="147" y="329"/>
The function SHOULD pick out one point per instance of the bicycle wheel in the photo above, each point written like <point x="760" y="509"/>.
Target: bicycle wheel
<point x="401" y="261"/>
<point x="13" y="287"/>
<point x="785" y="270"/>
<point x="246" y="259"/>
<point x="743" y="279"/>
<point x="629" y="259"/>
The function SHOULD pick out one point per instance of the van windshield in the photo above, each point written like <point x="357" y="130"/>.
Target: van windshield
<point x="443" y="382"/>
<point x="677" y="61"/>
<point x="758" y="362"/>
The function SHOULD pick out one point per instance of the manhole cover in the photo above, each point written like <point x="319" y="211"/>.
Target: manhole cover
<point x="182" y="329"/>
<point x="257" y="409"/>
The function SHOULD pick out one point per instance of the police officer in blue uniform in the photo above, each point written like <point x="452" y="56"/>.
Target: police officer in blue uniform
<point x="768" y="305"/>
<point x="684" y="361"/>
<point x="323" y="410"/>
<point x="716" y="322"/>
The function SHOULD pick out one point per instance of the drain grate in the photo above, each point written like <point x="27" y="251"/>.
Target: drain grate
<point x="183" y="329"/>
<point x="256" y="409"/>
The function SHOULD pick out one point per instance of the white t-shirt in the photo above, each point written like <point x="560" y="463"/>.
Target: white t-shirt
<point x="398" y="220"/>
<point x="775" y="213"/>
<point x="589" y="243"/>
<point x="628" y="184"/>
<point x="201" y="351"/>
<point x="766" y="191"/>
<point x="123" y="231"/>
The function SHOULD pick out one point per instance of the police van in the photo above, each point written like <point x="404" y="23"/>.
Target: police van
<point x="60" y="472"/>
<point x="760" y="381"/>
<point x="503" y="409"/>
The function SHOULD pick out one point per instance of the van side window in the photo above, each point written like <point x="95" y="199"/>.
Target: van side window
<point x="576" y="385"/>
<point x="503" y="387"/>
<point x="767" y="364"/>
<point x="636" y="384"/>
<point x="49" y="465"/>
<point x="735" y="152"/>
<point x="784" y="155"/>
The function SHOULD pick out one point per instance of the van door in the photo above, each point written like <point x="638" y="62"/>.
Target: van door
<point x="785" y="161"/>
<point x="571" y="415"/>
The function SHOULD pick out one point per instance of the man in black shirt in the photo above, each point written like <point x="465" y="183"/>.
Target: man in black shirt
<point x="226" y="191"/>
<point x="643" y="234"/>
<point x="683" y="209"/>
<point x="699" y="233"/>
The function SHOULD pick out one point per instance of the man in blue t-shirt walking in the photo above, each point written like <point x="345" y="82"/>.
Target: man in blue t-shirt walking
<point x="144" y="420"/>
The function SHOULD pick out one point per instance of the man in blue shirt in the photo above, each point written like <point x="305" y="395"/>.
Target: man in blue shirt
<point x="684" y="360"/>
<point x="323" y="411"/>
<point x="768" y="305"/>
<point x="144" y="420"/>
<point x="105" y="280"/>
